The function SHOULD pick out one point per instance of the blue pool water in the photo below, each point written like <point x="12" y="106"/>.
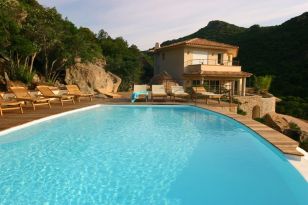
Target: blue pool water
<point x="121" y="155"/>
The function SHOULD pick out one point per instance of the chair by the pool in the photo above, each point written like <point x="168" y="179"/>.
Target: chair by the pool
<point x="9" y="105"/>
<point x="22" y="94"/>
<point x="201" y="91"/>
<point x="75" y="91"/>
<point x="140" y="92"/>
<point x="108" y="94"/>
<point x="178" y="91"/>
<point x="159" y="91"/>
<point x="47" y="92"/>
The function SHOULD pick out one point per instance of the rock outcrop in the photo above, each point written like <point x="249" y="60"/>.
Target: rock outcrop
<point x="276" y="121"/>
<point x="90" y="77"/>
<point x="304" y="136"/>
<point x="36" y="80"/>
<point x="293" y="127"/>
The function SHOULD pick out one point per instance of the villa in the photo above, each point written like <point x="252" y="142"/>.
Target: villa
<point x="202" y="62"/>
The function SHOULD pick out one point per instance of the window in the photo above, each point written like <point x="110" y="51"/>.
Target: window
<point x="199" y="57"/>
<point x="212" y="85"/>
<point x="196" y="82"/>
<point x="220" y="58"/>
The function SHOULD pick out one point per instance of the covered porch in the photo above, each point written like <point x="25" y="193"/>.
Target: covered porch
<point x="220" y="82"/>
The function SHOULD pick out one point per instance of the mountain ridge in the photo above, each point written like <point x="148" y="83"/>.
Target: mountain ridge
<point x="280" y="51"/>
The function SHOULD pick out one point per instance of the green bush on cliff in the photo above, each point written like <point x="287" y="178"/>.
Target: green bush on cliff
<point x="122" y="59"/>
<point x="295" y="106"/>
<point x="37" y="39"/>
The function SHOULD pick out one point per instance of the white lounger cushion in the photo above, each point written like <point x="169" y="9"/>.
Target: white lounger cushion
<point x="158" y="89"/>
<point x="210" y="94"/>
<point x="177" y="90"/>
<point x="138" y="88"/>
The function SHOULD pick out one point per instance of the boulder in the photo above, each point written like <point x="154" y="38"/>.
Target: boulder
<point x="277" y="122"/>
<point x="304" y="136"/>
<point x="92" y="76"/>
<point x="36" y="79"/>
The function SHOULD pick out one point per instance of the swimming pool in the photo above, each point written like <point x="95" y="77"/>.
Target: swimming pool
<point x="145" y="155"/>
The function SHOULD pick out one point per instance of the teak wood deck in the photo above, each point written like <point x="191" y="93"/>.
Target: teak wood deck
<point x="285" y="144"/>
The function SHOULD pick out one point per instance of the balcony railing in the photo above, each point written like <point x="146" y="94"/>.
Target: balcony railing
<point x="211" y="62"/>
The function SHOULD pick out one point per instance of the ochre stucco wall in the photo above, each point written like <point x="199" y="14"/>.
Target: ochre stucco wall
<point x="176" y="59"/>
<point x="173" y="63"/>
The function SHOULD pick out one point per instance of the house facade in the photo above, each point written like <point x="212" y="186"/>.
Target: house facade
<point x="202" y="62"/>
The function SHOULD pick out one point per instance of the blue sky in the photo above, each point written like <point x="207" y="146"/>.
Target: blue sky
<point x="144" y="22"/>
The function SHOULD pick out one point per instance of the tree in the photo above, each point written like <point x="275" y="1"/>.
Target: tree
<point x="102" y="35"/>
<point x="122" y="60"/>
<point x="262" y="83"/>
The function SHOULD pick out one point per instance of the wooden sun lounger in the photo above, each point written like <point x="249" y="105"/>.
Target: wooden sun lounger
<point x="22" y="94"/>
<point x="178" y="91"/>
<point x="47" y="92"/>
<point x="201" y="91"/>
<point x="159" y="91"/>
<point x="108" y="94"/>
<point x="9" y="105"/>
<point x="75" y="91"/>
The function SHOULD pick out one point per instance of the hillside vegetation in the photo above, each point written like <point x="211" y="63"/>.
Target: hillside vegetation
<point x="35" y="39"/>
<point x="280" y="51"/>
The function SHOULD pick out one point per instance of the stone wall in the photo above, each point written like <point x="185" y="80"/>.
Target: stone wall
<point x="256" y="106"/>
<point x="268" y="105"/>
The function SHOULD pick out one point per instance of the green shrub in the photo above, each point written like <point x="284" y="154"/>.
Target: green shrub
<point x="294" y="126"/>
<point x="262" y="83"/>
<point x="304" y="145"/>
<point x="295" y="106"/>
<point x="261" y="120"/>
<point x="241" y="112"/>
<point x="24" y="75"/>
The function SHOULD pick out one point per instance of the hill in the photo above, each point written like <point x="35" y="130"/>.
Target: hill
<point x="38" y="40"/>
<point x="280" y="51"/>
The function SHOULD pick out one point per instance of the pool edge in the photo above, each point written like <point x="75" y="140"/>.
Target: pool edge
<point x="34" y="122"/>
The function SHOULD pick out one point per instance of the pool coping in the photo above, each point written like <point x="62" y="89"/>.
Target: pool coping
<point x="27" y="124"/>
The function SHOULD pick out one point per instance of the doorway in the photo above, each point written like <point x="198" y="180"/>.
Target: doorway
<point x="256" y="112"/>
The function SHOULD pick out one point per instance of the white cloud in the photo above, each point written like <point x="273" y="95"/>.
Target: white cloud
<point x="144" y="22"/>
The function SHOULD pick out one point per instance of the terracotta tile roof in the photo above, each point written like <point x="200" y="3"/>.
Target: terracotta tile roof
<point x="200" y="42"/>
<point x="205" y="42"/>
<point x="222" y="74"/>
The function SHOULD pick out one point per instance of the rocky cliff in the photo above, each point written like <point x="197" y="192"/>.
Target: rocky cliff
<point x="92" y="76"/>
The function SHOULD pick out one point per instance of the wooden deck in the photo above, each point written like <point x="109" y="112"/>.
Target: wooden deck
<point x="280" y="141"/>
